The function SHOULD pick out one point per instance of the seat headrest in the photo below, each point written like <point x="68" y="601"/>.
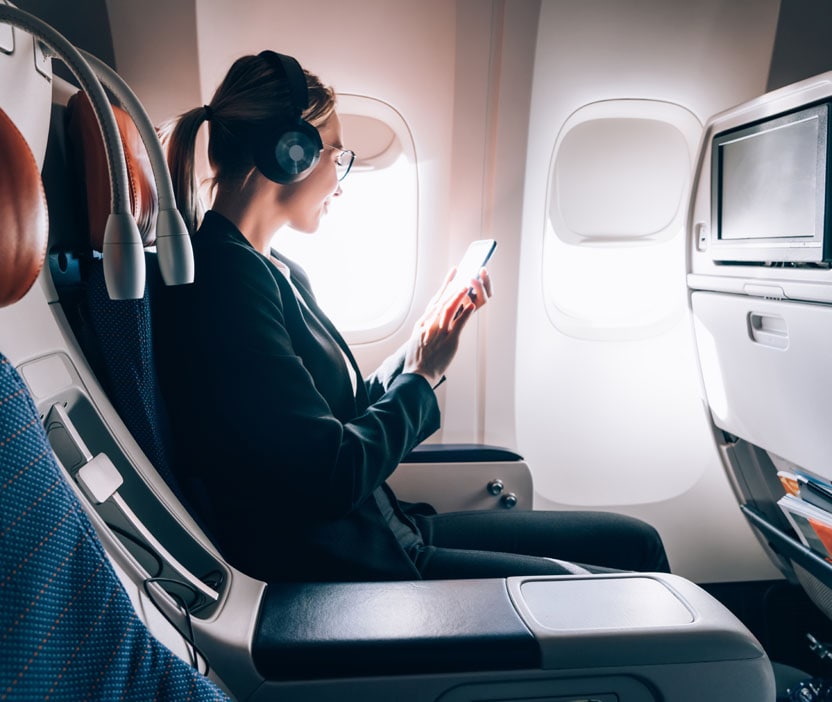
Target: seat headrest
<point x="88" y="153"/>
<point x="23" y="218"/>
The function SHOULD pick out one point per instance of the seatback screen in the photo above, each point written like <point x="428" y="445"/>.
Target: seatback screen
<point x="770" y="183"/>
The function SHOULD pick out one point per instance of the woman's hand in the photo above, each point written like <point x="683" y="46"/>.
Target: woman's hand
<point x="435" y="338"/>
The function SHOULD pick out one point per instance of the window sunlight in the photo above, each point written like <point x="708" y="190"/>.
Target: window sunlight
<point x="362" y="260"/>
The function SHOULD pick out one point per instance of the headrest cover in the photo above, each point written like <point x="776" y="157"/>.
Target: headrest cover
<point x="23" y="218"/>
<point x="87" y="147"/>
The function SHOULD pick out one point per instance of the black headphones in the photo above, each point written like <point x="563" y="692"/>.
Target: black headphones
<point x="286" y="150"/>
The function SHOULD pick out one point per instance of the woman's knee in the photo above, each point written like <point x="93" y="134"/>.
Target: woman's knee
<point x="651" y="545"/>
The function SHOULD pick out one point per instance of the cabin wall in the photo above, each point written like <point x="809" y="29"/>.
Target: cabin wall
<point x="156" y="53"/>
<point x="609" y="410"/>
<point x="85" y="23"/>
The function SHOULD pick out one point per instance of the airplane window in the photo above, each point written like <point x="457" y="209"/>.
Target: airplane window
<point x="613" y="249"/>
<point x="615" y="291"/>
<point x="362" y="260"/>
<point x="635" y="169"/>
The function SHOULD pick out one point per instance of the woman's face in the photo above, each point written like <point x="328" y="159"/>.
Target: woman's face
<point x="308" y="200"/>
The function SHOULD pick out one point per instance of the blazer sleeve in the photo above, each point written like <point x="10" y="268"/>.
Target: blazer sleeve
<point x="269" y="406"/>
<point x="380" y="381"/>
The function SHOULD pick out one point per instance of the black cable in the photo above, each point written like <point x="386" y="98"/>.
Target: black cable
<point x="188" y="635"/>
<point x="140" y="544"/>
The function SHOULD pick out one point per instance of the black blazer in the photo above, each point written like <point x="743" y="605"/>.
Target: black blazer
<point x="271" y="443"/>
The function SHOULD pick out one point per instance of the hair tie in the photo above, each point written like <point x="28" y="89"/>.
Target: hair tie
<point x="209" y="113"/>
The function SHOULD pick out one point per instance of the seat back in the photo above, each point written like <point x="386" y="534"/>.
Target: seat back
<point x="123" y="335"/>
<point x="117" y="335"/>
<point x="120" y="334"/>
<point x="69" y="630"/>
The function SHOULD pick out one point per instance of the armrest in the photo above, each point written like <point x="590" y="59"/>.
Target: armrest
<point x="460" y="453"/>
<point x="459" y="477"/>
<point x="329" y="630"/>
<point x="660" y="636"/>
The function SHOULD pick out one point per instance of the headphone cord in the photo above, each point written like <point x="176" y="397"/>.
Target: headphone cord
<point x="188" y="635"/>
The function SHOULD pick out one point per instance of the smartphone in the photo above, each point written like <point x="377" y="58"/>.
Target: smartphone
<point x="476" y="256"/>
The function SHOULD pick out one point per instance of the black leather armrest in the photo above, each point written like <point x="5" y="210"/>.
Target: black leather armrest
<point x="334" y="630"/>
<point x="459" y="453"/>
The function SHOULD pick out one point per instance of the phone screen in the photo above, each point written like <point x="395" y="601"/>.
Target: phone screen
<point x="476" y="256"/>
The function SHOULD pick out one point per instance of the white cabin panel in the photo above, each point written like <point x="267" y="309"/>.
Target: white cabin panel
<point x="615" y="420"/>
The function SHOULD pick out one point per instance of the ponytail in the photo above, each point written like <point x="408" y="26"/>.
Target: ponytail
<point x="180" y="138"/>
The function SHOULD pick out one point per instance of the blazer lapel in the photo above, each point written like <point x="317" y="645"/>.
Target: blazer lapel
<point x="301" y="282"/>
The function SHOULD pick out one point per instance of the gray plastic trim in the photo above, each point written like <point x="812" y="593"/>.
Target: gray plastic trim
<point x="693" y="628"/>
<point x="452" y="487"/>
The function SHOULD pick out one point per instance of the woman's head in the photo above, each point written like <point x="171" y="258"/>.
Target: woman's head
<point x="254" y="95"/>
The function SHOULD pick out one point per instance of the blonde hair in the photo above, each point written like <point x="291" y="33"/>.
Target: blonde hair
<point x="251" y="95"/>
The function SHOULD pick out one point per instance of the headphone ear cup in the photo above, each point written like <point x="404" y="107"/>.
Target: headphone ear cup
<point x="289" y="154"/>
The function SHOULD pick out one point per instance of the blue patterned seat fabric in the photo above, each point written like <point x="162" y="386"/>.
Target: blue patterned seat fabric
<point x="124" y="336"/>
<point x="68" y="630"/>
<point x="123" y="340"/>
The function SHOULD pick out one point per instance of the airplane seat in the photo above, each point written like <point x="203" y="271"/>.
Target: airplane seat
<point x="116" y="335"/>
<point x="69" y="629"/>
<point x="760" y="305"/>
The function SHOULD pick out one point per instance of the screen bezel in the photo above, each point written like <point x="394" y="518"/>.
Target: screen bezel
<point x="813" y="248"/>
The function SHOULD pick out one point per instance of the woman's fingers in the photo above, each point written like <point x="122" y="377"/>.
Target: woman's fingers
<point x="436" y="301"/>
<point x="449" y="308"/>
<point x="443" y="289"/>
<point x="480" y="288"/>
<point x="485" y="280"/>
<point x="449" y="276"/>
<point x="436" y="335"/>
<point x="462" y="315"/>
<point x="453" y="307"/>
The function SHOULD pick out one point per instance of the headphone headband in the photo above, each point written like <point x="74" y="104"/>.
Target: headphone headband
<point x="290" y="68"/>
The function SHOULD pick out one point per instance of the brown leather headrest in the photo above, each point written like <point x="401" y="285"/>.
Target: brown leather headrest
<point x="87" y="146"/>
<point x="23" y="218"/>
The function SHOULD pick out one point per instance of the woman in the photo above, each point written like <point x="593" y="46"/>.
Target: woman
<point x="280" y="444"/>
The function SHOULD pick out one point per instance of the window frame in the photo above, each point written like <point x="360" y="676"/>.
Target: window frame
<point x="554" y="245"/>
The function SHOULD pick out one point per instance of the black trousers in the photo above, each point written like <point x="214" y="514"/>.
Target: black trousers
<point x="497" y="544"/>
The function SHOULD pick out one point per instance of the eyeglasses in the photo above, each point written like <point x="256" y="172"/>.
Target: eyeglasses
<point x="343" y="162"/>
